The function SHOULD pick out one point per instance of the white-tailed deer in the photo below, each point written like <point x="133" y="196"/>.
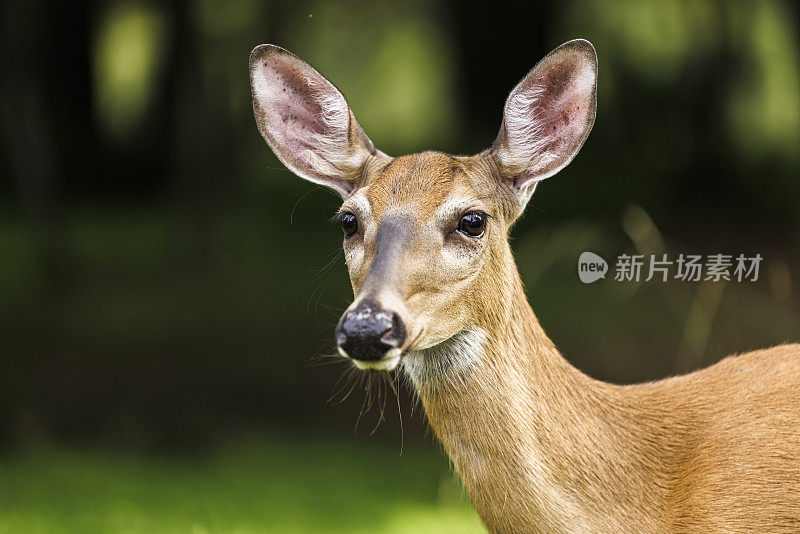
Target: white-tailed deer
<point x="539" y="446"/>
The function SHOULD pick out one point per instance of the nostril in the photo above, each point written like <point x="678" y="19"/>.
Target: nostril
<point x="396" y="335"/>
<point x="390" y="339"/>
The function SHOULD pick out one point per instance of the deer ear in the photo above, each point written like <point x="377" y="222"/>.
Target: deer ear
<point x="306" y="121"/>
<point x="548" y="116"/>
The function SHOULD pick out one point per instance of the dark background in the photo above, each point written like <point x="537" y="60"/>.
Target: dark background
<point x="165" y="282"/>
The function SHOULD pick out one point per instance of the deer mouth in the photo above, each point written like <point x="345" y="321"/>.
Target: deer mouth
<point x="388" y="363"/>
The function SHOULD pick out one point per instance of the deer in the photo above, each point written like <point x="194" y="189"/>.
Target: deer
<point x="538" y="445"/>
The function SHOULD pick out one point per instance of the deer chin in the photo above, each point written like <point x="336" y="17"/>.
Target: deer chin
<point x="387" y="363"/>
<point x="448" y="359"/>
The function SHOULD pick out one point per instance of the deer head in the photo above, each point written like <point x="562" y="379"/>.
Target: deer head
<point x="425" y="235"/>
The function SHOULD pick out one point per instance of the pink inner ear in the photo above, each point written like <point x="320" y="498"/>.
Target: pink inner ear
<point x="295" y="105"/>
<point x="559" y="106"/>
<point x="548" y="116"/>
<point x="305" y="114"/>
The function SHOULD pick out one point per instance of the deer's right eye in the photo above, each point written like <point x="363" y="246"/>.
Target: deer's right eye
<point x="472" y="224"/>
<point x="349" y="224"/>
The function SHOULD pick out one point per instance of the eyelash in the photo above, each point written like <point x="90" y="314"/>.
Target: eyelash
<point x="337" y="217"/>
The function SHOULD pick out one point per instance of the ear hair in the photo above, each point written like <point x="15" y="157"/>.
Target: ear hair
<point x="548" y="116"/>
<point x="306" y="120"/>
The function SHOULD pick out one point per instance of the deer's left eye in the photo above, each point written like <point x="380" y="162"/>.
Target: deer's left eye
<point x="349" y="224"/>
<point x="472" y="224"/>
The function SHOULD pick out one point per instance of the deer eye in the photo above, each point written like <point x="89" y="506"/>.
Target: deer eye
<point x="349" y="224"/>
<point x="472" y="224"/>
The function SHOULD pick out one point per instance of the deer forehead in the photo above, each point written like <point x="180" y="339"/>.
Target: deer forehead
<point x="429" y="186"/>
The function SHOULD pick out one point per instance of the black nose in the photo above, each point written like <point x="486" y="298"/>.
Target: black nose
<point x="368" y="332"/>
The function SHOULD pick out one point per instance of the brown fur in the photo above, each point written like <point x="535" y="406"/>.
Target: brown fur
<point x="540" y="446"/>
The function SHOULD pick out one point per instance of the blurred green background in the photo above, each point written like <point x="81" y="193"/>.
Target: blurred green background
<point x="167" y="287"/>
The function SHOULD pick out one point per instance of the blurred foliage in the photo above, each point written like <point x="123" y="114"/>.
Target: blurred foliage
<point x="126" y="61"/>
<point x="259" y="486"/>
<point x="661" y="40"/>
<point x="393" y="63"/>
<point x="765" y="108"/>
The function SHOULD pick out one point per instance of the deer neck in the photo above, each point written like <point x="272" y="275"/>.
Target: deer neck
<point x="524" y="429"/>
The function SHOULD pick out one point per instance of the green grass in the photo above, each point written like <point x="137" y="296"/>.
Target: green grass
<point x="279" y="485"/>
